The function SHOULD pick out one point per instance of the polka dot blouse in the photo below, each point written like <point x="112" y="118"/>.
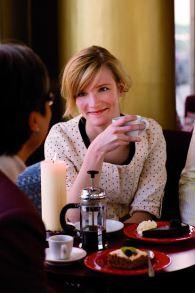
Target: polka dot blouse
<point x="136" y="186"/>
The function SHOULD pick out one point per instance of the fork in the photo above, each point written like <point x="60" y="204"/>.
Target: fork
<point x="151" y="272"/>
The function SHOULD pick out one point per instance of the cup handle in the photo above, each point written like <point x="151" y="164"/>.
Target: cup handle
<point x="63" y="251"/>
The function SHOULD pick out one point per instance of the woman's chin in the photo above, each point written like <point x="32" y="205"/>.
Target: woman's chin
<point x="101" y="122"/>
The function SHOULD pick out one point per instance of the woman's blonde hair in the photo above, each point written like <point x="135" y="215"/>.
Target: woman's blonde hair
<point x="82" y="68"/>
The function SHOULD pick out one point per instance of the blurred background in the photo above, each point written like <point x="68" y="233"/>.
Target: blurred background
<point x="184" y="53"/>
<point x="154" y="39"/>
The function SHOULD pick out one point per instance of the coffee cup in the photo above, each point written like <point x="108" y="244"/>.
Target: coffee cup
<point x="138" y="120"/>
<point x="60" y="246"/>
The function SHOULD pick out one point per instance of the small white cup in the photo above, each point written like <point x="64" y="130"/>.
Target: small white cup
<point x="139" y="119"/>
<point x="60" y="246"/>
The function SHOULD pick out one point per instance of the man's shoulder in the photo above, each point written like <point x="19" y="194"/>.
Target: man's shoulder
<point x="11" y="195"/>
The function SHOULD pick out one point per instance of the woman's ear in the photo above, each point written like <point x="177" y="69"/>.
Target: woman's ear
<point x="34" y="121"/>
<point x="121" y="88"/>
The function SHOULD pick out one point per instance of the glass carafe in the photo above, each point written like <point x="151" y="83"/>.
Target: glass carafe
<point x="92" y="216"/>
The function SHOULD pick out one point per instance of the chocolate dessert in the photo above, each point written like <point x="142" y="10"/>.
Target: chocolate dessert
<point x="174" y="229"/>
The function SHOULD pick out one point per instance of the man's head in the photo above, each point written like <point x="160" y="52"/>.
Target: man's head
<point x="24" y="93"/>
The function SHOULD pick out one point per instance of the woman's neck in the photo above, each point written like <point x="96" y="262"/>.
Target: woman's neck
<point x="92" y="132"/>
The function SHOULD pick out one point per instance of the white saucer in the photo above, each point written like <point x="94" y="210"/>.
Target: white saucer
<point x="76" y="255"/>
<point x="111" y="226"/>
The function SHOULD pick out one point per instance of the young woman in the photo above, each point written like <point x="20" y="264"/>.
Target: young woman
<point x="131" y="169"/>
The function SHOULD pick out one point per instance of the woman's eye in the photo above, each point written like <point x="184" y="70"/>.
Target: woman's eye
<point x="103" y="89"/>
<point x="81" y="94"/>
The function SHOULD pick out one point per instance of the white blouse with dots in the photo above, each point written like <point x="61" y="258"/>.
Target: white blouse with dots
<point x="137" y="186"/>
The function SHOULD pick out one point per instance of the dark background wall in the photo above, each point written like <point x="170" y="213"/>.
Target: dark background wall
<point x="35" y="23"/>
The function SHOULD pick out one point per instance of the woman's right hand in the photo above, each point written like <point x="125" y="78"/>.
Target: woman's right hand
<point x="115" y="134"/>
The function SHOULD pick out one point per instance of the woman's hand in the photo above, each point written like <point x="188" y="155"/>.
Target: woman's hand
<point x="117" y="134"/>
<point x="138" y="217"/>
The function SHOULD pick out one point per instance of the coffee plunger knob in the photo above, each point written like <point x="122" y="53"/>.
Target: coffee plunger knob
<point x="92" y="174"/>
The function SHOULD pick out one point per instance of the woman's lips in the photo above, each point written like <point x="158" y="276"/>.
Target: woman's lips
<point x="97" y="112"/>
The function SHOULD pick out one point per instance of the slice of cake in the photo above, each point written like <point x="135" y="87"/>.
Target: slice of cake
<point x="127" y="258"/>
<point x="172" y="230"/>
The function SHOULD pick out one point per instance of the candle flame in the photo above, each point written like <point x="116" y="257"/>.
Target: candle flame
<point x="54" y="158"/>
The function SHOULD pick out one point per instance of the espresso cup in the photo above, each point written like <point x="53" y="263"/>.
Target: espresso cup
<point x="138" y="120"/>
<point x="60" y="246"/>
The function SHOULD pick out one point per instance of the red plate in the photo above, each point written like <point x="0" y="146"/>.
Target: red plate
<point x="97" y="261"/>
<point x="131" y="232"/>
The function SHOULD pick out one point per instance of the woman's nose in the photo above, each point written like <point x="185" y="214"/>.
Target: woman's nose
<point x="93" y="99"/>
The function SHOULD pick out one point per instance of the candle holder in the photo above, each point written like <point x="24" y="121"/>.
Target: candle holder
<point x="67" y="230"/>
<point x="52" y="233"/>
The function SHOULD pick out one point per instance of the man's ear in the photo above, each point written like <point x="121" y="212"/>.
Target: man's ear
<point x="34" y="121"/>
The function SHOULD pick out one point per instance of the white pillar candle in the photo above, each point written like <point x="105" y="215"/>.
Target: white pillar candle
<point x="53" y="192"/>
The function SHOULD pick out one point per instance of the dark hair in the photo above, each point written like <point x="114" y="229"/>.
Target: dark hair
<point x="24" y="87"/>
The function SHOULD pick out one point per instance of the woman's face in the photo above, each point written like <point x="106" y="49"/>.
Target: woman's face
<point x="99" y="102"/>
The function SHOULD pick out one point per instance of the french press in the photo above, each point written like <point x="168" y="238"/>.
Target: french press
<point x="92" y="216"/>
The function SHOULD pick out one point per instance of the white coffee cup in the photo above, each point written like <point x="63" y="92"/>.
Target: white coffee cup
<point x="138" y="120"/>
<point x="60" y="246"/>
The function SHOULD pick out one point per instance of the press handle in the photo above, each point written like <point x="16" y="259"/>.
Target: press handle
<point x="92" y="174"/>
<point x="63" y="214"/>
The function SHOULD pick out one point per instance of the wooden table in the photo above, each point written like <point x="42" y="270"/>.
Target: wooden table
<point x="77" y="278"/>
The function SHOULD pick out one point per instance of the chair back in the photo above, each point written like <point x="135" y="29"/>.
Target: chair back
<point x="29" y="181"/>
<point x="177" y="143"/>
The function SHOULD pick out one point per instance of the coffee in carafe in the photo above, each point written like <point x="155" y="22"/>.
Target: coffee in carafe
<point x="92" y="216"/>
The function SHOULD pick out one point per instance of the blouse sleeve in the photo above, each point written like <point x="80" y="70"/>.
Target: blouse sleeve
<point x="187" y="197"/>
<point x="59" y="144"/>
<point x="150" y="189"/>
